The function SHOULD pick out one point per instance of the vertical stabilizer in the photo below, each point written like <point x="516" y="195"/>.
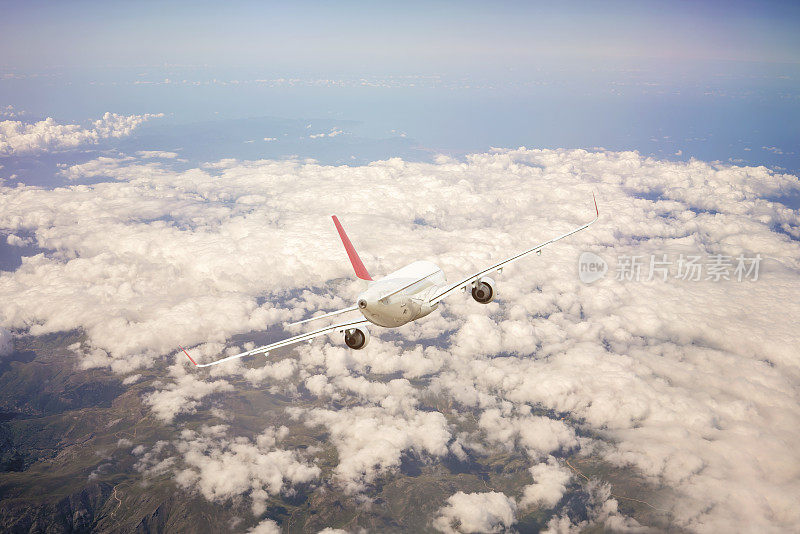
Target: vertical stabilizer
<point x="358" y="267"/>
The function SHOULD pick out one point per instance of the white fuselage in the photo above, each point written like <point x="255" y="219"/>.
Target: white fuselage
<point x="406" y="305"/>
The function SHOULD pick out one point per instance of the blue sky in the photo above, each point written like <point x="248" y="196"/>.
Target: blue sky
<point x="392" y="36"/>
<point x="712" y="80"/>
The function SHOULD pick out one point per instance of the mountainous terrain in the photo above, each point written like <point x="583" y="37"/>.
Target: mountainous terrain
<point x="67" y="436"/>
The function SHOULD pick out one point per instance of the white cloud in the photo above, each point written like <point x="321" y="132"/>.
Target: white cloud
<point x="601" y="509"/>
<point x="319" y="386"/>
<point x="184" y="394"/>
<point x="222" y="468"/>
<point x="6" y="342"/>
<point x="693" y="384"/>
<point x="370" y="440"/>
<point x="537" y="435"/>
<point x="9" y="112"/>
<point x="267" y="526"/>
<point x="476" y="512"/>
<point x="333" y="132"/>
<point x="151" y="462"/>
<point x="157" y="154"/>
<point x="16" y="241"/>
<point x="17" y="137"/>
<point x="132" y="379"/>
<point x="549" y="484"/>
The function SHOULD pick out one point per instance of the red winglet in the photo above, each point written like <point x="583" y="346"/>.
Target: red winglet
<point x="358" y="267"/>
<point x="595" y="205"/>
<point x="187" y="355"/>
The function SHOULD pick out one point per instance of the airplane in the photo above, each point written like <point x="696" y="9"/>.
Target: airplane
<point x="398" y="298"/>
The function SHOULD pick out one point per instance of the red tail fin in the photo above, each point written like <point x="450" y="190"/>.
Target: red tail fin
<point x="358" y="267"/>
<point x="187" y="355"/>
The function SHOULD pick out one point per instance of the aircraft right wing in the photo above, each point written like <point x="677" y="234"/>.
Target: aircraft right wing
<point x="497" y="267"/>
<point x="285" y="343"/>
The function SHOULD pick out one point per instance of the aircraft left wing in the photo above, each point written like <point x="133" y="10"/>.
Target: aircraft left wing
<point x="285" y="343"/>
<point x="326" y="315"/>
<point x="497" y="267"/>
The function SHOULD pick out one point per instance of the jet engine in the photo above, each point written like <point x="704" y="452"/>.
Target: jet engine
<point x="483" y="290"/>
<point x="356" y="338"/>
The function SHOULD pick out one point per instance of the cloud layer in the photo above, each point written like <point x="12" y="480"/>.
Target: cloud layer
<point x="17" y="137"/>
<point x="691" y="383"/>
<point x="476" y="512"/>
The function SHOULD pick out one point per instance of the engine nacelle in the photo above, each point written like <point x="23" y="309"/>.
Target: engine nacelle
<point x="356" y="338"/>
<point x="483" y="290"/>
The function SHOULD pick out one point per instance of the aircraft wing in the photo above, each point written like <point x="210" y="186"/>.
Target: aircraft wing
<point x="326" y="315"/>
<point x="497" y="267"/>
<point x="285" y="343"/>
